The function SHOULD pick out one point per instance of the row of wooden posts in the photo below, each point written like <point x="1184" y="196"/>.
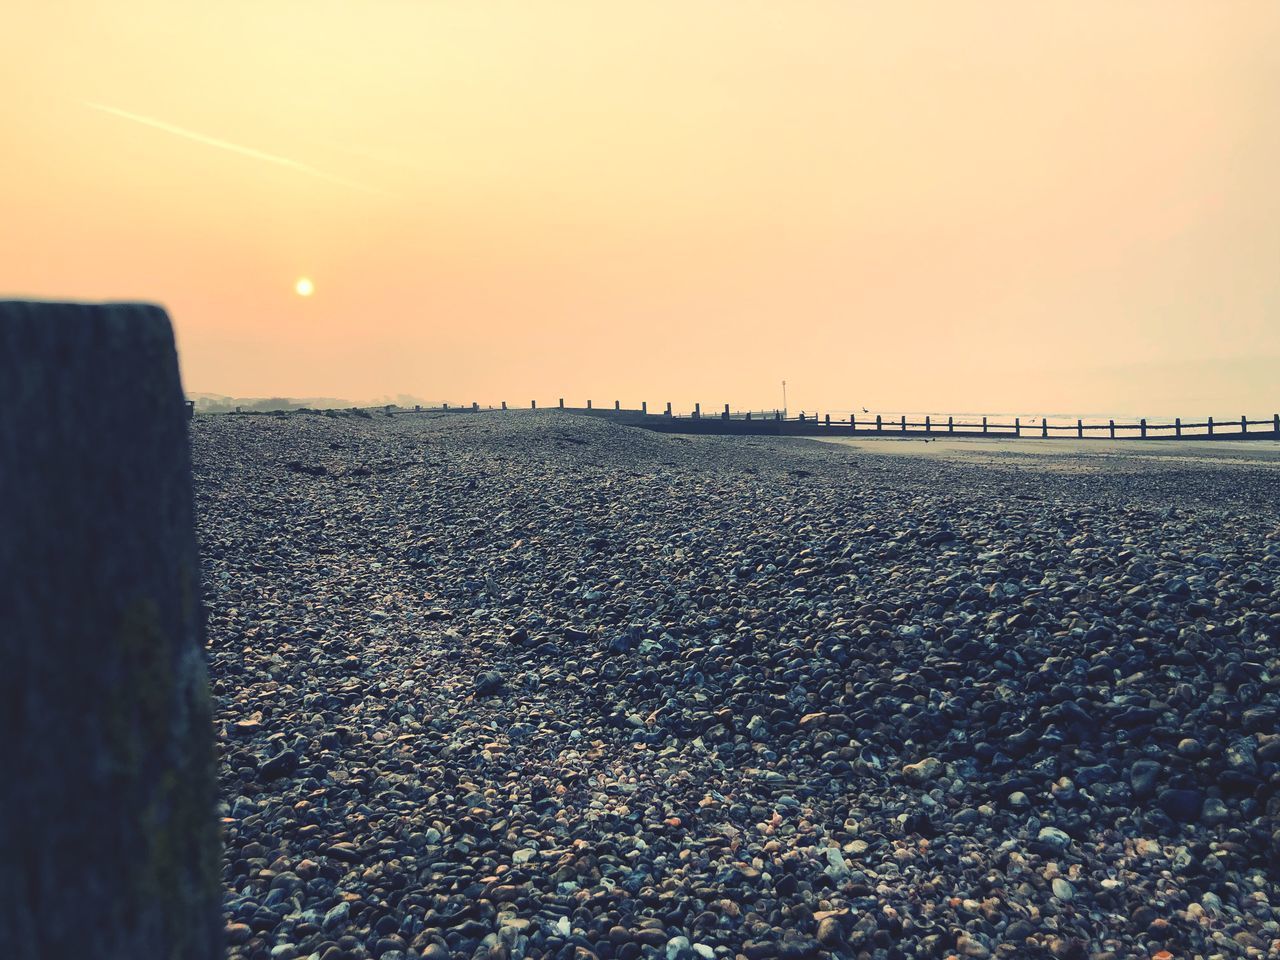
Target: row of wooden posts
<point x="1080" y="428"/>
<point x="902" y="425"/>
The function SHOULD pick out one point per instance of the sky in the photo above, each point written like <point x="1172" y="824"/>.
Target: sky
<point x="951" y="206"/>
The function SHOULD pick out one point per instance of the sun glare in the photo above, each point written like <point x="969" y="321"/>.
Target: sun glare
<point x="304" y="287"/>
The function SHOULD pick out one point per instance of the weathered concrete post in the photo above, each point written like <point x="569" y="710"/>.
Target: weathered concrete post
<point x="110" y="841"/>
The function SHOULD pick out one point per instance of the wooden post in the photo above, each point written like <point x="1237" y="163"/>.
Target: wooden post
<point x="1017" y="426"/>
<point x="984" y="426"/>
<point x="108" y="803"/>
<point x="1211" y="426"/>
<point x="697" y="411"/>
<point x="1244" y="426"/>
<point x="828" y="421"/>
<point x="879" y="424"/>
<point x="748" y="414"/>
<point x="617" y="404"/>
<point x="446" y="406"/>
<point x="1275" y="420"/>
<point x="1044" y="427"/>
<point x="504" y="404"/>
<point x="1142" y="425"/>
<point x="475" y="407"/>
<point x="802" y="416"/>
<point x="951" y="425"/>
<point x="726" y="411"/>
<point x="1112" y="427"/>
<point x="417" y="408"/>
<point x="644" y="407"/>
<point x="1080" y="428"/>
<point x="853" y="422"/>
<point x="533" y="404"/>
<point x="1177" y="426"/>
<point x="588" y="404"/>
<point x="668" y="413"/>
<point x="904" y="423"/>
<point x="927" y="426"/>
<point x="562" y="403"/>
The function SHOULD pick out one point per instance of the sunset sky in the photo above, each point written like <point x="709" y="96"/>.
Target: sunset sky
<point x="958" y="206"/>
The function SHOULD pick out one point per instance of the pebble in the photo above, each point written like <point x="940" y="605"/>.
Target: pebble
<point x="543" y="685"/>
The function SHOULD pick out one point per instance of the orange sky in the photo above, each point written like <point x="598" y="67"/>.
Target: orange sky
<point x="949" y="206"/>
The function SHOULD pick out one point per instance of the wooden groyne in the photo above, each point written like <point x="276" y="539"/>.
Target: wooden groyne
<point x="727" y="422"/>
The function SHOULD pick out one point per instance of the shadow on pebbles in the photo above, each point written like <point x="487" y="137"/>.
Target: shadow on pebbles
<point x="535" y="685"/>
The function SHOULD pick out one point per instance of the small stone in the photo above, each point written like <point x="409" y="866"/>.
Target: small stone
<point x="923" y="771"/>
<point x="1062" y="888"/>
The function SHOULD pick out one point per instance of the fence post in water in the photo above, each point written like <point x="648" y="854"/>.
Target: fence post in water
<point x="617" y="404"/>
<point x="644" y="407"/>
<point x="748" y="414"/>
<point x="904" y="423"/>
<point x="951" y="424"/>
<point x="984" y="426"/>
<point x="417" y="408"/>
<point x="1112" y="427"/>
<point x="927" y="426"/>
<point x="853" y="423"/>
<point x="1044" y="426"/>
<point x="446" y="406"/>
<point x="828" y="420"/>
<point x="1142" y="425"/>
<point x="1210" y="425"/>
<point x="1177" y="426"/>
<point x="562" y="403"/>
<point x="879" y="424"/>
<point x="1017" y="426"/>
<point x="668" y="413"/>
<point x="1275" y="420"/>
<point x="504" y="404"/>
<point x="110" y="830"/>
<point x="1080" y="429"/>
<point x="475" y="407"/>
<point x="533" y="404"/>
<point x="1244" y="426"/>
<point x="726" y="411"/>
<point x="697" y="411"/>
<point x="588" y="404"/>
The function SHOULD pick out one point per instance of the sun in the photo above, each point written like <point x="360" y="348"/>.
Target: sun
<point x="304" y="287"/>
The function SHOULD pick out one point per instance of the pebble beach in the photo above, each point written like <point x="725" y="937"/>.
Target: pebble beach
<point x="531" y="684"/>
